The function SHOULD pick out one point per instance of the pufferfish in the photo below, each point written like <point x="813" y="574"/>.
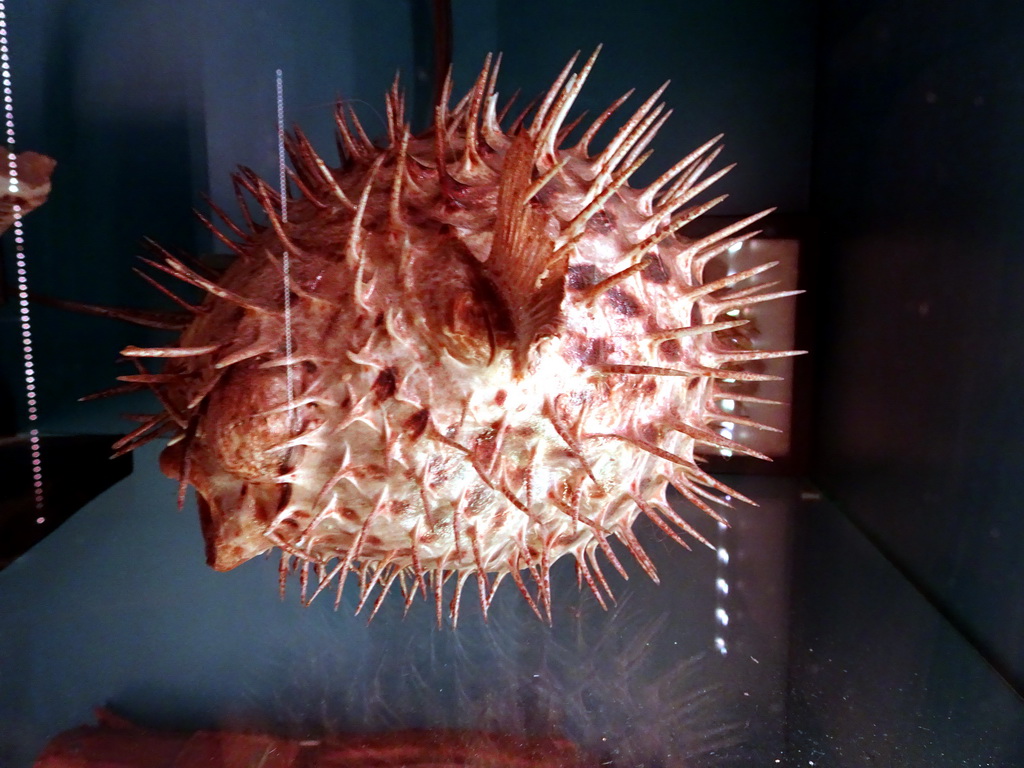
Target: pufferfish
<point x="462" y="354"/>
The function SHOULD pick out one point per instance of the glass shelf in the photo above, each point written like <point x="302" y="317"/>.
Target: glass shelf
<point x="794" y="643"/>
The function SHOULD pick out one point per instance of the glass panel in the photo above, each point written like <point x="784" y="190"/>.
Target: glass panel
<point x="794" y="641"/>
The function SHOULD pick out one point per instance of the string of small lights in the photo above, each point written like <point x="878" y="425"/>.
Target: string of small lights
<point x="21" y="270"/>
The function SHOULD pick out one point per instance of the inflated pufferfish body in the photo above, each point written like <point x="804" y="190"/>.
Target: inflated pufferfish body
<point x="493" y="352"/>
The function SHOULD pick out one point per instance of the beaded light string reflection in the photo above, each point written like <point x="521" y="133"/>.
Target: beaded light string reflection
<point x="286" y="258"/>
<point x="722" y="590"/>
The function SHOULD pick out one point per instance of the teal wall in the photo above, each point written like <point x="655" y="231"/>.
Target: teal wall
<point x="742" y="67"/>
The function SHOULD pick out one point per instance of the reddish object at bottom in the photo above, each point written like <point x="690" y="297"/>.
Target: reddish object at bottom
<point x="117" y="743"/>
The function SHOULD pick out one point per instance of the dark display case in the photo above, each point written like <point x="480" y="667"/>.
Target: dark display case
<point x="866" y="613"/>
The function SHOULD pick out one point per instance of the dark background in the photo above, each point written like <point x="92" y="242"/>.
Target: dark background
<point x="894" y="126"/>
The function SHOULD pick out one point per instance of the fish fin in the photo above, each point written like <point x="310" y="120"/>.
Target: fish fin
<point x="520" y="261"/>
